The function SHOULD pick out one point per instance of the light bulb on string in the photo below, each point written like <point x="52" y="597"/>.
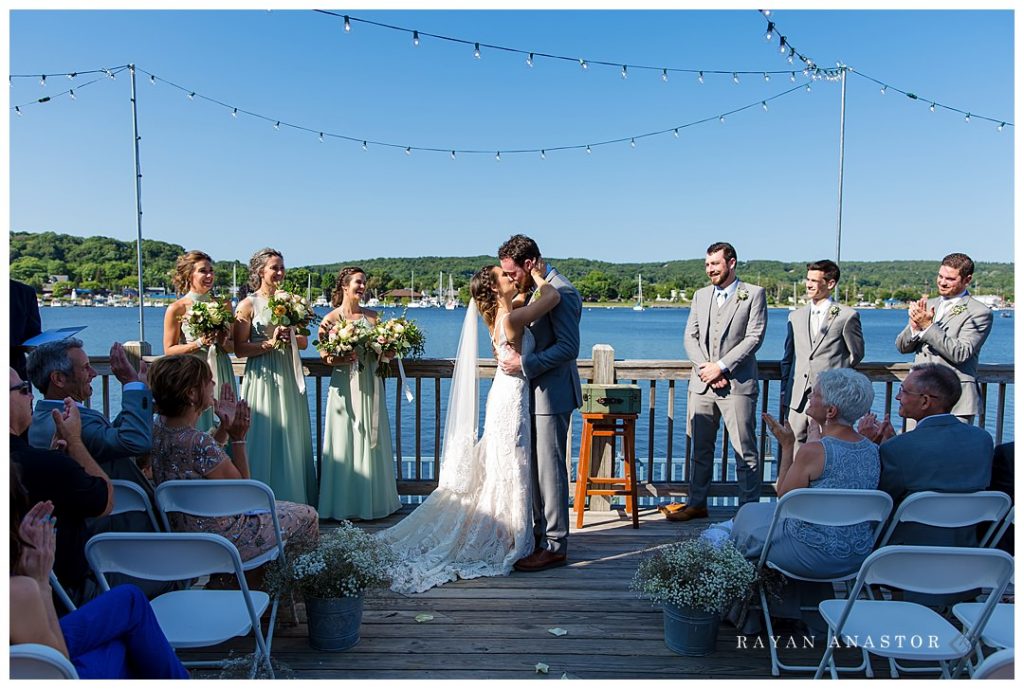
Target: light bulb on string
<point x="543" y="155"/>
<point x="735" y="78"/>
<point x="497" y="156"/>
<point x="17" y="110"/>
<point x="408" y="150"/>
<point x="192" y="95"/>
<point x="348" y="24"/>
<point x="583" y="64"/>
<point x="764" y="105"/>
<point x="1000" y="127"/>
<point x="476" y="50"/>
<point x="72" y="75"/>
<point x="42" y="80"/>
<point x="792" y="76"/>
<point x="364" y="146"/>
<point x="234" y="112"/>
<point x="932" y="107"/>
<point x="588" y="148"/>
<point x="71" y="93"/>
<point x="700" y="77"/>
<point x="415" y="38"/>
<point x="882" y="91"/>
<point x="808" y="88"/>
<point x="967" y="118"/>
<point x="111" y="74"/>
<point x="625" y="72"/>
<point x="277" y="125"/>
<point x="766" y="12"/>
<point x="721" y="119"/>
<point x="632" y="143"/>
<point x="783" y="46"/>
<point x="806" y="71"/>
<point x="664" y="75"/>
<point x="675" y="132"/>
<point x="529" y="60"/>
<point x="453" y="155"/>
<point x="767" y="76"/>
<point x="768" y="34"/>
<point x="152" y="79"/>
<point x="792" y="52"/>
<point x="321" y="137"/>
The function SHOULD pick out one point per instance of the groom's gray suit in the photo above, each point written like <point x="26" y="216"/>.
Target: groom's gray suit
<point x="554" y="394"/>
<point x="731" y="334"/>
<point x="838" y="343"/>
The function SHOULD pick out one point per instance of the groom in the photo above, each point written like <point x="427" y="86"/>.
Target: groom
<point x="554" y="394"/>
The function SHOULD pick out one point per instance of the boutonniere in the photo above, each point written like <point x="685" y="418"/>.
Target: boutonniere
<point x="833" y="312"/>
<point x="957" y="310"/>
<point x="742" y="294"/>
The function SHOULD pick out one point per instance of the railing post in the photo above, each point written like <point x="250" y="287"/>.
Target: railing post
<point x="603" y="454"/>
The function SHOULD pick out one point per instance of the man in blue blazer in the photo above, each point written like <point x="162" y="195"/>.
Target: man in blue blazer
<point x="554" y="394"/>
<point x="941" y="454"/>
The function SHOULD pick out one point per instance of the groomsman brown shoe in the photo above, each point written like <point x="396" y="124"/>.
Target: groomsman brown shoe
<point x="540" y="560"/>
<point x="688" y="514"/>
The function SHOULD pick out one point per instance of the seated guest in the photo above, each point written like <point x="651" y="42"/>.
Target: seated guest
<point x="941" y="454"/>
<point x="837" y="458"/>
<point x="182" y="389"/>
<point x="25" y="323"/>
<point x="61" y="369"/>
<point x="1002" y="479"/>
<point x="114" y="636"/>
<point x="70" y="479"/>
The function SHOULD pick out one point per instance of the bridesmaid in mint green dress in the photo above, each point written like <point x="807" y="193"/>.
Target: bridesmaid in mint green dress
<point x="357" y="476"/>
<point x="193" y="277"/>
<point x="280" y="444"/>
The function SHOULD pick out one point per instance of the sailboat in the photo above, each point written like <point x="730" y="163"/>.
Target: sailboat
<point x="639" y="294"/>
<point x="452" y="302"/>
<point x="234" y="286"/>
<point x="412" y="290"/>
<point x="793" y="307"/>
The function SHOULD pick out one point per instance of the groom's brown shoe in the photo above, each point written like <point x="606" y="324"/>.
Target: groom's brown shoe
<point x="540" y="560"/>
<point x="687" y="514"/>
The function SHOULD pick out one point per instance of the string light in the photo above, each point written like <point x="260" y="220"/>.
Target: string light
<point x="583" y="64"/>
<point x="700" y="77"/>
<point x="277" y="125"/>
<point x="348" y="24"/>
<point x="234" y="112"/>
<point x="588" y="148"/>
<point x="476" y="50"/>
<point x="625" y="73"/>
<point x="415" y="38"/>
<point x="792" y="76"/>
<point x="1000" y="127"/>
<point x="664" y="75"/>
<point x="453" y="155"/>
<point x="364" y="146"/>
<point x="408" y="150"/>
<point x="792" y="52"/>
<point x="808" y="88"/>
<point x="764" y="105"/>
<point x="721" y="119"/>
<point x="768" y="34"/>
<point x="321" y="137"/>
<point x="932" y="107"/>
<point x="72" y="94"/>
<point x="735" y="78"/>
<point x="72" y="75"/>
<point x="192" y="96"/>
<point x="543" y="155"/>
<point x="632" y="142"/>
<point x="152" y="79"/>
<point x="529" y="60"/>
<point x="882" y="91"/>
<point x="675" y="132"/>
<point x="767" y="76"/>
<point x="967" y="118"/>
<point x="42" y="80"/>
<point x="17" y="110"/>
<point x="497" y="156"/>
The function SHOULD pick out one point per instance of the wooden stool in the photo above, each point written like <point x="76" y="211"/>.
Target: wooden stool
<point x="608" y="426"/>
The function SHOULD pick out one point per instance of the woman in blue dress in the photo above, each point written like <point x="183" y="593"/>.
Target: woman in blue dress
<point x="280" y="442"/>
<point x="357" y="479"/>
<point x="193" y="278"/>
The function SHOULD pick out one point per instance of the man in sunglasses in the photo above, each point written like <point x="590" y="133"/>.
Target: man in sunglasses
<point x="68" y="476"/>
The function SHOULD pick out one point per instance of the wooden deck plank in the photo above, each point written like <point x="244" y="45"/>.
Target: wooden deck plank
<point x="497" y="627"/>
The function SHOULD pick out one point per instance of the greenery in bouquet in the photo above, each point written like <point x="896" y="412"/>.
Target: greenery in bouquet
<point x="208" y="318"/>
<point x="344" y="563"/>
<point x="397" y="336"/>
<point x="291" y="311"/>
<point x="695" y="574"/>
<point x="343" y="337"/>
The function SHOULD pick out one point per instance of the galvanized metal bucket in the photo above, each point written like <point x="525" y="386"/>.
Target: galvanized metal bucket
<point x="334" y="622"/>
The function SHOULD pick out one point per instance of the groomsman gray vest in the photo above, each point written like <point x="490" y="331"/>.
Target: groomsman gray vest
<point x="715" y="336"/>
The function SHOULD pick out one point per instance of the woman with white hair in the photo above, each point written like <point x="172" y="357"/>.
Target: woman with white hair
<point x="839" y="458"/>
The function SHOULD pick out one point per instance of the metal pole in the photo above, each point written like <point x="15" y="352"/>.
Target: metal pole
<point x="842" y="131"/>
<point x="138" y="205"/>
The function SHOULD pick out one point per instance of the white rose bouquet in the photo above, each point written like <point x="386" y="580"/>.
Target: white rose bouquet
<point x="399" y="337"/>
<point x="291" y="310"/>
<point x="343" y="337"/>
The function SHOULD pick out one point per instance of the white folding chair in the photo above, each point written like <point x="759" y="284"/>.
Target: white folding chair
<point x="223" y="498"/>
<point x="999" y="665"/>
<point x="193" y="618"/>
<point x="950" y="510"/>
<point x="901" y="629"/>
<point x="997" y="536"/>
<point x="826" y="507"/>
<point x="36" y="661"/>
<point x="62" y="595"/>
<point x="130" y="497"/>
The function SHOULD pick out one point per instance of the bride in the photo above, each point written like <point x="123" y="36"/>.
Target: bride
<point x="479" y="521"/>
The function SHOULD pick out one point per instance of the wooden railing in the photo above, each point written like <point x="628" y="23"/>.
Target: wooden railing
<point x="665" y="465"/>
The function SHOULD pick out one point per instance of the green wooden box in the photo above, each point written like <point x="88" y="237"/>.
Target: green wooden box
<point x="610" y="399"/>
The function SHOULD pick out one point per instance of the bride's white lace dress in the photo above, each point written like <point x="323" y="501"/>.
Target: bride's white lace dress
<point x="479" y="520"/>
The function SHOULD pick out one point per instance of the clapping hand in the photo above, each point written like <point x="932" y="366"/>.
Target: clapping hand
<point x="225" y="406"/>
<point x="876" y="432"/>
<point x="38" y="530"/>
<point x="122" y="367"/>
<point x="67" y="424"/>
<point x="920" y="315"/>
<point x="782" y="432"/>
<point x="240" y="424"/>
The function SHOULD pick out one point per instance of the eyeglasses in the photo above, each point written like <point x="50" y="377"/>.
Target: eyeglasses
<point x="904" y="391"/>
<point x="25" y="388"/>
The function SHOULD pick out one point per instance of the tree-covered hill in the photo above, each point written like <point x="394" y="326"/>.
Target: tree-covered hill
<point x="104" y="263"/>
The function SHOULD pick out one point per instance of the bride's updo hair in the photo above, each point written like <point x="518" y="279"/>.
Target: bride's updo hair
<point x="345" y="276"/>
<point x="482" y="287"/>
<point x="184" y="267"/>
<point x="256" y="264"/>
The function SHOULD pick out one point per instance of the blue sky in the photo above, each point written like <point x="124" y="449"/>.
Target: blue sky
<point x="918" y="184"/>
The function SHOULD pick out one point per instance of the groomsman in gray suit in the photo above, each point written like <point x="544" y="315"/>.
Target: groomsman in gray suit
<point x="554" y="394"/>
<point x="950" y="330"/>
<point x="725" y="328"/>
<point x="821" y="336"/>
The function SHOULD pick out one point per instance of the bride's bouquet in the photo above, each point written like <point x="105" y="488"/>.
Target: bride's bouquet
<point x="291" y="310"/>
<point x="208" y="319"/>
<point x="344" y="337"/>
<point x="397" y="336"/>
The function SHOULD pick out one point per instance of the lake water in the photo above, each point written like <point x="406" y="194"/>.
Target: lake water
<point x="651" y="334"/>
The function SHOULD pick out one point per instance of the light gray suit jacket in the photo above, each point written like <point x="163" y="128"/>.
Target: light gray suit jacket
<point x="840" y="345"/>
<point x="551" y="367"/>
<point x="941" y="454"/>
<point x="954" y="341"/>
<point x="743" y="324"/>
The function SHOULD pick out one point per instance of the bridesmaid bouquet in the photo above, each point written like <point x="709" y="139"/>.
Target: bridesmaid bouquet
<point x="291" y="311"/>
<point x="208" y="318"/>
<point x="398" y="336"/>
<point x="344" y="337"/>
